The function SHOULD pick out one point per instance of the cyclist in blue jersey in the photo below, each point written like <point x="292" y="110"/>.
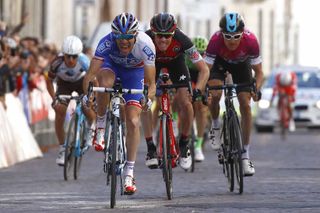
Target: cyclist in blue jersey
<point x="68" y="70"/>
<point x="127" y="54"/>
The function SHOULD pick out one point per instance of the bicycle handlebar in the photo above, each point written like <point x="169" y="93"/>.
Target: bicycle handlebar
<point x="251" y="85"/>
<point x="120" y="90"/>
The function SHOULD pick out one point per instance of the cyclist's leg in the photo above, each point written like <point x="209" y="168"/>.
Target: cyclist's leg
<point x="60" y="108"/>
<point x="200" y="112"/>
<point x="242" y="73"/>
<point x="151" y="157"/>
<point x="178" y="74"/>
<point x="214" y="108"/>
<point x="132" y="79"/>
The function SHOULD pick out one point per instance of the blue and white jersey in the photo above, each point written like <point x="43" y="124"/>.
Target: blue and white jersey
<point x="143" y="52"/>
<point x="60" y="69"/>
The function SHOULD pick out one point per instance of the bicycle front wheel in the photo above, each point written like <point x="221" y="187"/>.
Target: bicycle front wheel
<point x="114" y="145"/>
<point x="69" y="156"/>
<point x="166" y="157"/>
<point x="226" y="151"/>
<point x="237" y="147"/>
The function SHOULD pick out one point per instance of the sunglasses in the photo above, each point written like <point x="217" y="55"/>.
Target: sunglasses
<point x="124" y="36"/>
<point x="230" y="36"/>
<point x="71" y="56"/>
<point x="164" y="35"/>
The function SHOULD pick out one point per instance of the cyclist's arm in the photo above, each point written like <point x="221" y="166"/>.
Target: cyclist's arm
<point x="94" y="68"/>
<point x="257" y="68"/>
<point x="149" y="79"/>
<point x="203" y="74"/>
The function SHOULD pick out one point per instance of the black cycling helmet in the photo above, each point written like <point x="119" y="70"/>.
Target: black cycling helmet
<point x="163" y="22"/>
<point x="231" y="23"/>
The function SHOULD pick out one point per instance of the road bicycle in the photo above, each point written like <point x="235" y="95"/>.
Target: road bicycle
<point x="115" y="150"/>
<point x="167" y="147"/>
<point x="230" y="154"/>
<point x="283" y="108"/>
<point x="75" y="144"/>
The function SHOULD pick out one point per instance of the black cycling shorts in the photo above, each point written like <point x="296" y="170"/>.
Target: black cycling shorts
<point x="241" y="72"/>
<point x="177" y="69"/>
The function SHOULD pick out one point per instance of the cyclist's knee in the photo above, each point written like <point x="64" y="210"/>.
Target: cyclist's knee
<point x="133" y="123"/>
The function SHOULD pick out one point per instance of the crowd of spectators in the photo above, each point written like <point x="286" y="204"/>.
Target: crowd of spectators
<point x="22" y="59"/>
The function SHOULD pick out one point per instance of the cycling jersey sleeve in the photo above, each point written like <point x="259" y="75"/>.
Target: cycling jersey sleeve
<point x="188" y="47"/>
<point x="103" y="47"/>
<point x="254" y="49"/>
<point x="148" y="49"/>
<point x="211" y="51"/>
<point x="84" y="61"/>
<point x="54" y="67"/>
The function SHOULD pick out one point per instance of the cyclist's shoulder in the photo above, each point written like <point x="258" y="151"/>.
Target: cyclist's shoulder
<point x="182" y="38"/>
<point x="55" y="64"/>
<point x="84" y="61"/>
<point x="249" y="36"/>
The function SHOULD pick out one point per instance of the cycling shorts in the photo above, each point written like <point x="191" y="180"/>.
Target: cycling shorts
<point x="66" y="88"/>
<point x="131" y="78"/>
<point x="241" y="72"/>
<point x="177" y="69"/>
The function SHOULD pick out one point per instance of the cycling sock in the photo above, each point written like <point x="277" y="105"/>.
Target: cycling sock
<point x="216" y="123"/>
<point x="150" y="144"/>
<point x="183" y="142"/>
<point x="245" y="154"/>
<point x="129" y="168"/>
<point x="175" y="116"/>
<point x="199" y="142"/>
<point x="101" y="121"/>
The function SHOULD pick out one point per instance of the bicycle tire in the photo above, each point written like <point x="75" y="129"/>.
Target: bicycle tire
<point x="69" y="155"/>
<point x="166" y="159"/>
<point x="78" y="156"/>
<point x="237" y="147"/>
<point x="192" y="147"/>
<point x="114" y="161"/>
<point x="227" y="161"/>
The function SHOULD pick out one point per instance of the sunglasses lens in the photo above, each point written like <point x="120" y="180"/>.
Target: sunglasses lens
<point x="72" y="56"/>
<point x="236" y="37"/>
<point x="227" y="36"/>
<point x="124" y="36"/>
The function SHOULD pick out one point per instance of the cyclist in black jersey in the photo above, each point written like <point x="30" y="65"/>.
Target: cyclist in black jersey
<point x="171" y="46"/>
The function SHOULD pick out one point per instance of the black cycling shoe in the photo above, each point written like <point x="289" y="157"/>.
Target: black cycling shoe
<point x="152" y="160"/>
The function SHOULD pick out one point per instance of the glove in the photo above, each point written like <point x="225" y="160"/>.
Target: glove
<point x="146" y="106"/>
<point x="259" y="94"/>
<point x="158" y="90"/>
<point x="197" y="96"/>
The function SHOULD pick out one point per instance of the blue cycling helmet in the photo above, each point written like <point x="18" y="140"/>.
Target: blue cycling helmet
<point x="231" y="23"/>
<point x="125" y="23"/>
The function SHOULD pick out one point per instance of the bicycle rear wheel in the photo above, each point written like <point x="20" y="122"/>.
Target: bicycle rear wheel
<point x="69" y="156"/>
<point x="237" y="147"/>
<point x="78" y="156"/>
<point x="113" y="144"/>
<point x="166" y="157"/>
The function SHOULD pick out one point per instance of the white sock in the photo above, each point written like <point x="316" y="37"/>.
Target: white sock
<point x="129" y="168"/>
<point x="101" y="121"/>
<point x="246" y="153"/>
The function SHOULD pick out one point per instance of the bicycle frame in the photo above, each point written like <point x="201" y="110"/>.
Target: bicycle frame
<point x="115" y="149"/>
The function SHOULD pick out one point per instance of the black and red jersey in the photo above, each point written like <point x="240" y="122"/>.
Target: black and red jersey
<point x="181" y="44"/>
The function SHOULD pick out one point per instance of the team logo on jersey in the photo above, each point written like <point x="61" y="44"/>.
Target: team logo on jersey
<point x="149" y="53"/>
<point x="108" y="44"/>
<point x="182" y="77"/>
<point x="102" y="47"/>
<point x="176" y="48"/>
<point x="194" y="54"/>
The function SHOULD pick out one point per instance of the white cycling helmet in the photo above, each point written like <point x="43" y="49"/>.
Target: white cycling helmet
<point x="72" y="45"/>
<point x="285" y="79"/>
